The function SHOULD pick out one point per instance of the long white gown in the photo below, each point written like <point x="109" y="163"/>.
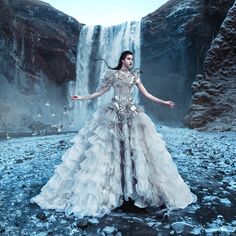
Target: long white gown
<point x="117" y="155"/>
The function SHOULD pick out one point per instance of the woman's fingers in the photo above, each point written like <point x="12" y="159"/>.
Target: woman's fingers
<point x="75" y="97"/>
<point x="171" y="104"/>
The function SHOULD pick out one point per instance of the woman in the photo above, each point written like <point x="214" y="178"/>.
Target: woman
<point x="116" y="156"/>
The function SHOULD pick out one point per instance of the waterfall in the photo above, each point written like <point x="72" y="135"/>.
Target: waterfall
<point x="98" y="42"/>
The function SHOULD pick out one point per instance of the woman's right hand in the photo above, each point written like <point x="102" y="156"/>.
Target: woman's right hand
<point x="170" y="104"/>
<point x="76" y="97"/>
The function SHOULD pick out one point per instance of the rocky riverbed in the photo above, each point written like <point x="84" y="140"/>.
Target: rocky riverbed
<point x="206" y="160"/>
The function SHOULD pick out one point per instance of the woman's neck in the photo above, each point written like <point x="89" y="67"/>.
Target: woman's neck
<point x="124" y="68"/>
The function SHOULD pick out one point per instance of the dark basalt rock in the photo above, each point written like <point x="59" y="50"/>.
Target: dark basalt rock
<point x="36" y="37"/>
<point x="214" y="97"/>
<point x="175" y="41"/>
<point x="38" y="46"/>
<point x="41" y="216"/>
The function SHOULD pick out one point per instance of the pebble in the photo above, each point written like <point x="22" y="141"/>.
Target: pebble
<point x="41" y="216"/>
<point x="179" y="227"/>
<point x="150" y="224"/>
<point x="160" y="214"/>
<point x="18" y="161"/>
<point x="234" y="222"/>
<point x="52" y="218"/>
<point x="82" y="223"/>
<point x="223" y="230"/>
<point x="109" y="229"/>
<point x="225" y="202"/>
<point x="196" y="231"/>
<point x="93" y="221"/>
<point x="46" y="156"/>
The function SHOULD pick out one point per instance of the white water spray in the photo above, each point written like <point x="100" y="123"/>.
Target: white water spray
<point x="98" y="42"/>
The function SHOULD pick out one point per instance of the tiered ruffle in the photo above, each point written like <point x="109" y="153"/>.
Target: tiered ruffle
<point x="94" y="177"/>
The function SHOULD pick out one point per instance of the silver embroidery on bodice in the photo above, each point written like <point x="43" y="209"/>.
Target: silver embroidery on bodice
<point x="122" y="83"/>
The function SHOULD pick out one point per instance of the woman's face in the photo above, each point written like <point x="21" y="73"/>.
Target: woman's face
<point x="128" y="61"/>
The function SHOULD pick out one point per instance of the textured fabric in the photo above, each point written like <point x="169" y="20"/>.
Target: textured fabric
<point x="117" y="154"/>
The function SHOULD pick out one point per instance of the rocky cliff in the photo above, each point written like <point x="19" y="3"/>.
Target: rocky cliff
<point x="175" y="42"/>
<point x="38" y="47"/>
<point x="213" y="105"/>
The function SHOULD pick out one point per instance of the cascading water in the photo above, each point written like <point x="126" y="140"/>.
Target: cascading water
<point x="98" y="42"/>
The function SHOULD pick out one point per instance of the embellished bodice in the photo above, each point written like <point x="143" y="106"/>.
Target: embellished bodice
<point x="122" y="83"/>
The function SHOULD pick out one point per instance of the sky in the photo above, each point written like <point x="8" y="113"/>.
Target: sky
<point x="106" y="12"/>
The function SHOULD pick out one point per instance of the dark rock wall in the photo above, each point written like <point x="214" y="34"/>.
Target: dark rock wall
<point x="213" y="105"/>
<point x="175" y="40"/>
<point x="38" y="47"/>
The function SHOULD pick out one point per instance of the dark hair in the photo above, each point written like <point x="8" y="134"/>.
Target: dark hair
<point x="122" y="57"/>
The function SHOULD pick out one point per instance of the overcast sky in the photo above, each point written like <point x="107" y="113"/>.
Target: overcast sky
<point x="106" y="12"/>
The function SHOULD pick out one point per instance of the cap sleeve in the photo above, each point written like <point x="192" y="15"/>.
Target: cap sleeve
<point x="136" y="78"/>
<point x="107" y="79"/>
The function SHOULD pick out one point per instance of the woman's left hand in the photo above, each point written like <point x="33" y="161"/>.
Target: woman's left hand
<point x="170" y="104"/>
<point x="76" y="97"/>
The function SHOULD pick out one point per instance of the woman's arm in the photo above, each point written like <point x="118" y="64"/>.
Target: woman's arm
<point x="91" y="96"/>
<point x="151" y="97"/>
<point x="106" y="84"/>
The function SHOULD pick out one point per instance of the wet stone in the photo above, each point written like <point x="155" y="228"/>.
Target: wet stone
<point x="228" y="229"/>
<point x="93" y="221"/>
<point x="211" y="212"/>
<point x="180" y="227"/>
<point x="225" y="202"/>
<point x="109" y="229"/>
<point x="50" y="233"/>
<point x="227" y="162"/>
<point x="209" y="198"/>
<point x="17" y="223"/>
<point x="41" y="216"/>
<point x="165" y="217"/>
<point x="160" y="214"/>
<point x="62" y="142"/>
<point x="27" y="158"/>
<point x="189" y="151"/>
<point x="196" y="231"/>
<point x="151" y="224"/>
<point x="82" y="223"/>
<point x="222" y="231"/>
<point x="234" y="222"/>
<point x="52" y="218"/>
<point x="18" y="161"/>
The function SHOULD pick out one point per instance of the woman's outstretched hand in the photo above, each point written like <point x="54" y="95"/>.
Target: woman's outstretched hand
<point x="170" y="104"/>
<point x="76" y="97"/>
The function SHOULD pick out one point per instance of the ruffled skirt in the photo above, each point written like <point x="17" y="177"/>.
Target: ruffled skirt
<point x="110" y="161"/>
